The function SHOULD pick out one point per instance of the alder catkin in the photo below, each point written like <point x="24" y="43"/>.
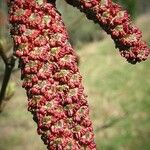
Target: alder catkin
<point x="116" y="22"/>
<point x="51" y="76"/>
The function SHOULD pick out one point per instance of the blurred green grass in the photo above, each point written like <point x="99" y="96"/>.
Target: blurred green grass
<point x="118" y="95"/>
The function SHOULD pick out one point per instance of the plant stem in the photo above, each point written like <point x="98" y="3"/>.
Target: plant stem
<point x="2" y="54"/>
<point x="9" y="65"/>
<point x="6" y="50"/>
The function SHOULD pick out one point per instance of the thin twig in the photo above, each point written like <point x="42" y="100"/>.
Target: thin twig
<point x="2" y="54"/>
<point x="8" y="69"/>
<point x="6" y="50"/>
<point x="13" y="72"/>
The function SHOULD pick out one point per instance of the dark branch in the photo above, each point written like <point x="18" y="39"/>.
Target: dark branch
<point x="13" y="71"/>
<point x="8" y="69"/>
<point x="2" y="54"/>
<point x="6" y="50"/>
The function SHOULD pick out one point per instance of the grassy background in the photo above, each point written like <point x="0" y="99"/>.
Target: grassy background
<point x="119" y="98"/>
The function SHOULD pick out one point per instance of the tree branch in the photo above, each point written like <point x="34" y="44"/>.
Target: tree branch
<point x="8" y="69"/>
<point x="9" y="61"/>
<point x="6" y="49"/>
<point x="2" y="54"/>
<point x="13" y="71"/>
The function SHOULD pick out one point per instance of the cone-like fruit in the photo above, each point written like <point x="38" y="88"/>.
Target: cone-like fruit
<point x="116" y="22"/>
<point x="51" y="76"/>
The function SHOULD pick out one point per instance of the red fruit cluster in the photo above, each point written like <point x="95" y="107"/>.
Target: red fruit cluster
<point x="51" y="76"/>
<point x="116" y="22"/>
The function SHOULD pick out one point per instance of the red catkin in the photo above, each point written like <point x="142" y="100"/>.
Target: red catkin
<point x="116" y="22"/>
<point x="51" y="76"/>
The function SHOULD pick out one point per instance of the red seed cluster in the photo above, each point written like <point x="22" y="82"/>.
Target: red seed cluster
<point x="51" y="76"/>
<point x="116" y="22"/>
